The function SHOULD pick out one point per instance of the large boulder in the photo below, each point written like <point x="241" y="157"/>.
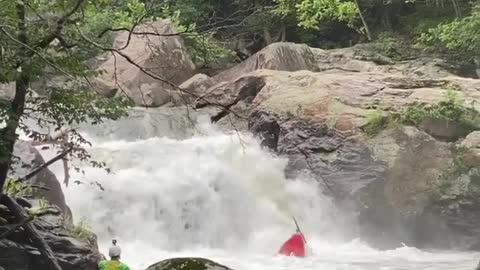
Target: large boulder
<point x="317" y="120"/>
<point x="161" y="55"/>
<point x="74" y="247"/>
<point x="187" y="264"/>
<point x="277" y="56"/>
<point x="29" y="159"/>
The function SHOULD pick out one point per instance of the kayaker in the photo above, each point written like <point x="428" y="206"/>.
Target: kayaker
<point x="114" y="263"/>
<point x="294" y="246"/>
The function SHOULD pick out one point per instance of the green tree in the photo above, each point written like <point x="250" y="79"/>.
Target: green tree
<point x="312" y="13"/>
<point x="459" y="38"/>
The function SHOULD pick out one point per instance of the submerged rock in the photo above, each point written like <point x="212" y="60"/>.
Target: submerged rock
<point x="188" y="264"/>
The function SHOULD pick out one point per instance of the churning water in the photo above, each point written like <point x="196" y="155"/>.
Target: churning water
<point x="175" y="191"/>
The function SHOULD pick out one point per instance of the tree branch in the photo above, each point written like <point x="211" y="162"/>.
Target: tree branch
<point x="60" y="24"/>
<point x="46" y="164"/>
<point x="141" y="32"/>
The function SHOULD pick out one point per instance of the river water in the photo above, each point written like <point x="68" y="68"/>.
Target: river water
<point x="183" y="190"/>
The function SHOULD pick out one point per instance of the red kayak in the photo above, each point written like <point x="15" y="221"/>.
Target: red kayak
<point x="294" y="246"/>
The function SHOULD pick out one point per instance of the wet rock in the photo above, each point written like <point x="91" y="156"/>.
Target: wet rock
<point x="266" y="127"/>
<point x="29" y="159"/>
<point x="71" y="250"/>
<point x="187" y="264"/>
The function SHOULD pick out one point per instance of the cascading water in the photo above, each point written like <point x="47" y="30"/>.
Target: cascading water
<point x="180" y="191"/>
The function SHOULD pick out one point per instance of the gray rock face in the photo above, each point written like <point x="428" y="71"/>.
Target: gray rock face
<point x="30" y="159"/>
<point x="72" y="252"/>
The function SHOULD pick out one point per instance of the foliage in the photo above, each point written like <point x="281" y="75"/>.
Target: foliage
<point x="42" y="39"/>
<point x="204" y="49"/>
<point x="81" y="230"/>
<point x="460" y="37"/>
<point x="459" y="181"/>
<point x="451" y="108"/>
<point x="376" y="122"/>
<point x="16" y="188"/>
<point x="43" y="208"/>
<point x="310" y="13"/>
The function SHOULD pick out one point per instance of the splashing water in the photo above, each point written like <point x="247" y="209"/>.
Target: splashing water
<point x="177" y="192"/>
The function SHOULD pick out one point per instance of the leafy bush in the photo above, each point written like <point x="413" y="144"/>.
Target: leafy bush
<point x="451" y="109"/>
<point x="376" y="122"/>
<point x="81" y="230"/>
<point x="16" y="188"/>
<point x="204" y="49"/>
<point x="460" y="37"/>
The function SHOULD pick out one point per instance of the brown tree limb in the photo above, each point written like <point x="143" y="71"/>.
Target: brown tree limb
<point x="31" y="232"/>
<point x="46" y="164"/>
<point x="59" y="25"/>
<point x="146" y="33"/>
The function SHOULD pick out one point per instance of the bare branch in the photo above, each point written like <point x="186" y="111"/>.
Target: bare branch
<point x="34" y="52"/>
<point x="60" y="24"/>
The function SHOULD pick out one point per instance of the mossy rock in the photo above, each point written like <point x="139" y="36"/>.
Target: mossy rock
<point x="187" y="264"/>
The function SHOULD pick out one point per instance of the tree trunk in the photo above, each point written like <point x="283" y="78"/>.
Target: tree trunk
<point x="364" y="22"/>
<point x="267" y="36"/>
<point x="8" y="136"/>
<point x="456" y="7"/>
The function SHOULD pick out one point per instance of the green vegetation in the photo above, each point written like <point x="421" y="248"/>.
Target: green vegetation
<point x="452" y="109"/>
<point x="459" y="38"/>
<point x="81" y="230"/>
<point x="458" y="182"/>
<point x="376" y="122"/>
<point x="15" y="188"/>
<point x="42" y="39"/>
<point x="447" y="27"/>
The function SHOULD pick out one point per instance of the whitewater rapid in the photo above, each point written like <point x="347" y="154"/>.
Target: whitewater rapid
<point x="178" y="190"/>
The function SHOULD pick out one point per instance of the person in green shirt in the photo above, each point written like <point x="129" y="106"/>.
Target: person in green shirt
<point x="114" y="262"/>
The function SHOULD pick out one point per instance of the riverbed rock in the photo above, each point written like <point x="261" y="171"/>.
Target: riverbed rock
<point x="286" y="56"/>
<point x="277" y="56"/>
<point x="163" y="57"/>
<point x="74" y="247"/>
<point x="188" y="264"/>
